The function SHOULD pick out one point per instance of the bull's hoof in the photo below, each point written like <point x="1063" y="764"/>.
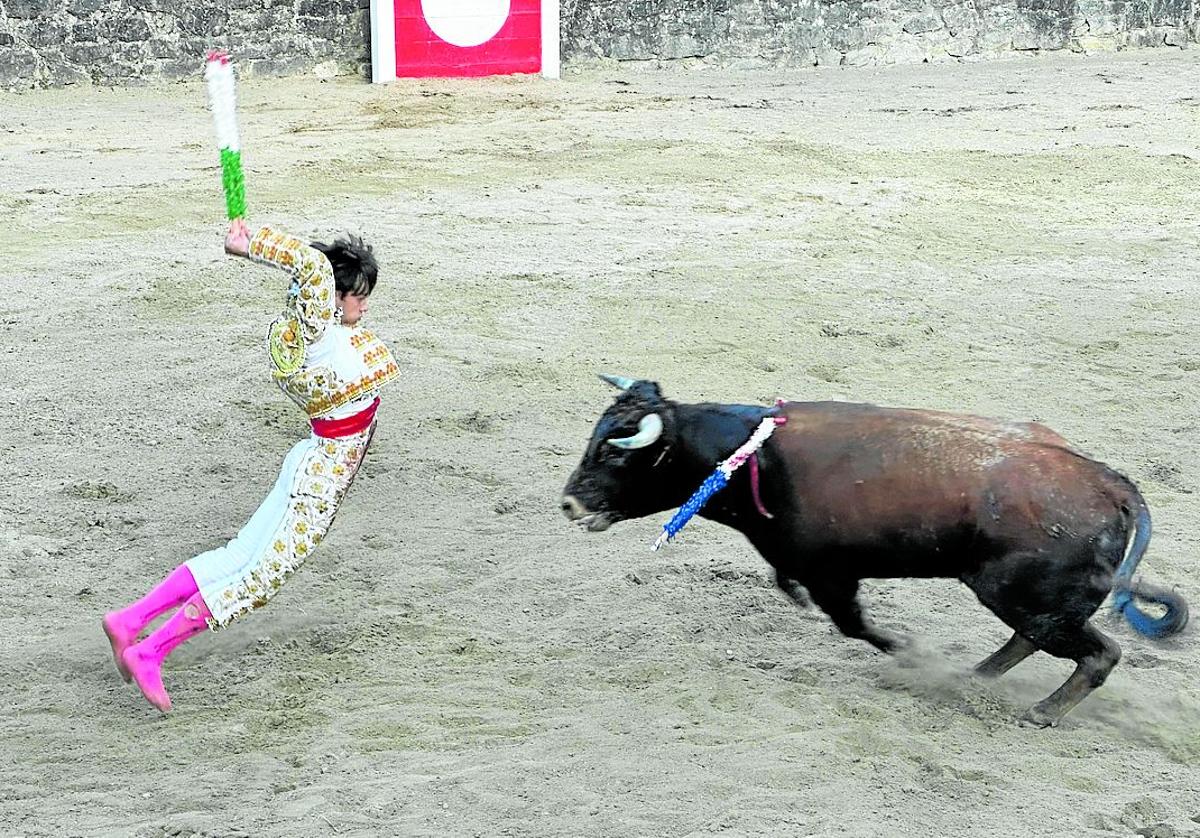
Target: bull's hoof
<point x="1037" y="717"/>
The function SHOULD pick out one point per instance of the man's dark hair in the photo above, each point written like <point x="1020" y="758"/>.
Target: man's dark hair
<point x="354" y="269"/>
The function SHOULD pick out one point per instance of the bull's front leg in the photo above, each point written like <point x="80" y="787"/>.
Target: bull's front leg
<point x="794" y="590"/>
<point x="839" y="599"/>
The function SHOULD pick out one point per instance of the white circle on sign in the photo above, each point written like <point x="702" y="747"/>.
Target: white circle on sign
<point x="465" y="23"/>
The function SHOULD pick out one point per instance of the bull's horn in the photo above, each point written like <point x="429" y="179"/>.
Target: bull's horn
<point x="618" y="381"/>
<point x="648" y="432"/>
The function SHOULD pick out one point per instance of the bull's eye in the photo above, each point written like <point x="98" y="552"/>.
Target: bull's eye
<point x="609" y="454"/>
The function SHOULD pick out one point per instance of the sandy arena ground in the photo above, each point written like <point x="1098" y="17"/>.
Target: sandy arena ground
<point x="1017" y="238"/>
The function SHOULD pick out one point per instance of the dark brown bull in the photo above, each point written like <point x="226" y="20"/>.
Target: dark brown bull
<point x="1040" y="532"/>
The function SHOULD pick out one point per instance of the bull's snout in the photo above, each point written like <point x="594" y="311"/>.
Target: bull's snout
<point x="572" y="508"/>
<point x="575" y="511"/>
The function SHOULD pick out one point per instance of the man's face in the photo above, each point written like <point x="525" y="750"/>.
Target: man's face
<point x="354" y="308"/>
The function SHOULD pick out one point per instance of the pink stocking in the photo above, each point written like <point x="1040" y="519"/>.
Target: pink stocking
<point x="124" y="626"/>
<point x="144" y="659"/>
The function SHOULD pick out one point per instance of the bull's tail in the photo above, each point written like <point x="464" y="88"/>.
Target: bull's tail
<point x="1125" y="587"/>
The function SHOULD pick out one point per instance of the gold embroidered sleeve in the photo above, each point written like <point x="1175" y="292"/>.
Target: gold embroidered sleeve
<point x="312" y="295"/>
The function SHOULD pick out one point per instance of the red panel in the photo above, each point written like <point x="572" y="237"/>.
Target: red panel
<point x="516" y="48"/>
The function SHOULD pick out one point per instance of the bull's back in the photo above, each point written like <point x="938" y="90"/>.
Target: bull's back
<point x="915" y="485"/>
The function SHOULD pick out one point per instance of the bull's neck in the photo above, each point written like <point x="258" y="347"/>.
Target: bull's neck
<point x="706" y="435"/>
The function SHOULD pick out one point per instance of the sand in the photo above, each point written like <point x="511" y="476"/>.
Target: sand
<point x="1015" y="238"/>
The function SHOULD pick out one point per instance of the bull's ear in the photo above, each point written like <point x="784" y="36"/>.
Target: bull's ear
<point x="648" y="432"/>
<point x="618" y="381"/>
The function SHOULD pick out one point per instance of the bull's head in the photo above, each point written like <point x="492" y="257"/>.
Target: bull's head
<point x="620" y="475"/>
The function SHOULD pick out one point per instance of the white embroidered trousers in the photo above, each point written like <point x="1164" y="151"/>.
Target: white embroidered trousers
<point x="245" y="573"/>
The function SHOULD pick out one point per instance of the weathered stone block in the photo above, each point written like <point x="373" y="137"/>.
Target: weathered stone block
<point x="804" y="58"/>
<point x="163" y="48"/>
<point x="1026" y="37"/>
<point x="1098" y="43"/>
<point x="179" y="68"/>
<point x="1148" y="37"/>
<point x="88" y="55"/>
<point x="1171" y="13"/>
<point x="1137" y="15"/>
<point x="1099" y="17"/>
<point x="279" y="20"/>
<point x="83" y="8"/>
<point x="6" y="40"/>
<point x="276" y="66"/>
<point x="61" y="72"/>
<point x="1051" y="30"/>
<point x="127" y="29"/>
<point x="751" y="35"/>
<point x="925" y="21"/>
<point x="30" y="9"/>
<point x="829" y="58"/>
<point x="205" y="20"/>
<point x="960" y="46"/>
<point x="960" y="19"/>
<point x="840" y="15"/>
<point x="117" y="71"/>
<point x="18" y="67"/>
<point x="848" y="38"/>
<point x="327" y="8"/>
<point x="48" y="34"/>
<point x="318" y="8"/>
<point x="326" y="70"/>
<point x="682" y="46"/>
<point x="988" y="40"/>
<point x="805" y="37"/>
<point x="633" y="48"/>
<point x="881" y="32"/>
<point x="867" y="56"/>
<point x="319" y="28"/>
<point x="84" y="32"/>
<point x="909" y="51"/>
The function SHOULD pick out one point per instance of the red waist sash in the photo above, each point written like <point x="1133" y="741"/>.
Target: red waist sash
<point x="334" y="428"/>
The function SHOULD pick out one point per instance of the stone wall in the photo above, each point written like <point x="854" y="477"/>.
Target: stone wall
<point x="799" y="32"/>
<point x="55" y="42"/>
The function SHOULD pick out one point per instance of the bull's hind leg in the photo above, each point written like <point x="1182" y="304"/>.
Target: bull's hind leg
<point x="1047" y="599"/>
<point x="1006" y="657"/>
<point x="1095" y="655"/>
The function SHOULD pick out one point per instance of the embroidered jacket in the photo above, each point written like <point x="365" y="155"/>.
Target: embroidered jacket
<point x="330" y="370"/>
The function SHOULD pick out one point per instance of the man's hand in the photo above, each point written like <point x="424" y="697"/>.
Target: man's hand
<point x="237" y="240"/>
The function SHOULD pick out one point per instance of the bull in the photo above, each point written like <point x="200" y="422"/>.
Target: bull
<point x="1040" y="532"/>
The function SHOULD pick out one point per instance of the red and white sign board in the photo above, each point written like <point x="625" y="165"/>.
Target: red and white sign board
<point x="416" y="38"/>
